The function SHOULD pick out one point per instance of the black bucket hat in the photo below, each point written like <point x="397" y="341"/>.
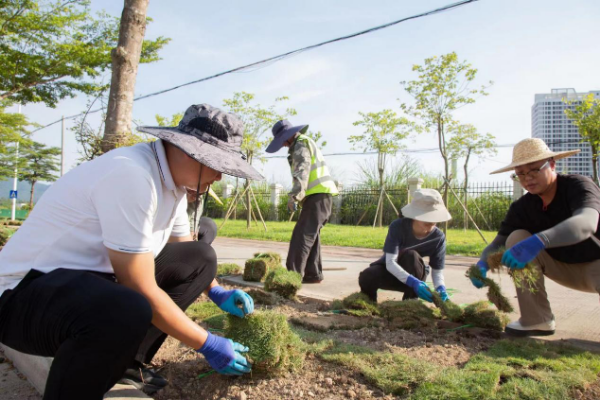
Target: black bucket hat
<point x="282" y="131"/>
<point x="211" y="137"/>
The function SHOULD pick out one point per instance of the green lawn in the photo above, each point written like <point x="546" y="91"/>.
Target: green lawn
<point x="460" y="242"/>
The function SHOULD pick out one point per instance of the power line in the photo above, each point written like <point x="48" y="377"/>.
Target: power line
<point x="281" y="56"/>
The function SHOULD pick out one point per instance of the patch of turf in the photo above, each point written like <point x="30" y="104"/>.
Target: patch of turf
<point x="203" y="310"/>
<point x="525" y="278"/>
<point x="494" y="294"/>
<point x="283" y="282"/>
<point x="360" y="301"/>
<point x="265" y="298"/>
<point x="225" y="269"/>
<point x="481" y="315"/>
<point x="393" y="373"/>
<point x="276" y="257"/>
<point x="274" y="348"/>
<point x="452" y="311"/>
<point x="216" y="321"/>
<point x="407" y="314"/>
<point x="5" y="234"/>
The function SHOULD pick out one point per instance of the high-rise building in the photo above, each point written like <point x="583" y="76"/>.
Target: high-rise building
<point x="549" y="122"/>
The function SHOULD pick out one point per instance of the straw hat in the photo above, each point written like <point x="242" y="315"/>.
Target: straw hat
<point x="427" y="206"/>
<point x="532" y="150"/>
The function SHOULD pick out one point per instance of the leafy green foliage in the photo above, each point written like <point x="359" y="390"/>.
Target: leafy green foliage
<point x="52" y="50"/>
<point x="384" y="131"/>
<point x="40" y="164"/>
<point x="5" y="234"/>
<point x="466" y="141"/>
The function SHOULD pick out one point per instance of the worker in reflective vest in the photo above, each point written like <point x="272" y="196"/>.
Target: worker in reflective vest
<point x="314" y="188"/>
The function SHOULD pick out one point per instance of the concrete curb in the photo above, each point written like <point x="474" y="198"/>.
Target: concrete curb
<point x="36" y="370"/>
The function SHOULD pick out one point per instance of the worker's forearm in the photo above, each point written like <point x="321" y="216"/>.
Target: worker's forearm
<point x="212" y="284"/>
<point x="394" y="268"/>
<point x="170" y="319"/>
<point x="581" y="226"/>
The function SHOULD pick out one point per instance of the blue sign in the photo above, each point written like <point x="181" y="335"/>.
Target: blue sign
<point x="13" y="194"/>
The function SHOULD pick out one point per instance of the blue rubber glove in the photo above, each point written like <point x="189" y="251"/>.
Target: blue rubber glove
<point x="523" y="252"/>
<point x="229" y="300"/>
<point x="442" y="291"/>
<point x="483" y="268"/>
<point x="224" y="355"/>
<point x="420" y="288"/>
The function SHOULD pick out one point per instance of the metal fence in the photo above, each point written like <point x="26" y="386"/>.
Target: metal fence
<point x="487" y="204"/>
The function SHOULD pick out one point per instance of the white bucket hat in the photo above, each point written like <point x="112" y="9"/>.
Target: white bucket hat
<point x="427" y="206"/>
<point x="532" y="150"/>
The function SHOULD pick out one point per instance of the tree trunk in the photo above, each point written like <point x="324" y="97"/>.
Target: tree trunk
<point x="442" y="145"/>
<point x="125" y="60"/>
<point x="31" y="195"/>
<point x="466" y="188"/>
<point x="594" y="163"/>
<point x="380" y="167"/>
<point x="248" y="205"/>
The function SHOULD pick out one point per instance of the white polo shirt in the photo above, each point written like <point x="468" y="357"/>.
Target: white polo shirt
<point x="125" y="200"/>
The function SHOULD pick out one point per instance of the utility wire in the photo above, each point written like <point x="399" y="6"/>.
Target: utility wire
<point x="281" y="56"/>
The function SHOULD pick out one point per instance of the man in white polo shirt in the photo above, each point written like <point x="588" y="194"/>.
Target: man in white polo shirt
<point x="103" y="268"/>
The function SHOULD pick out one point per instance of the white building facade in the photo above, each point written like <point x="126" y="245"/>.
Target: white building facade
<point x="549" y="122"/>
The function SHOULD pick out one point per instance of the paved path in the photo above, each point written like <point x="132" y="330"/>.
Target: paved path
<point x="577" y="314"/>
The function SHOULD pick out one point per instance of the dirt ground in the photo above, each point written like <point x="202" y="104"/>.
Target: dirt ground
<point x="442" y="344"/>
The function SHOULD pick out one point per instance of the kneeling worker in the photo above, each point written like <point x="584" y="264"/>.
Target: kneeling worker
<point x="554" y="226"/>
<point x="410" y="239"/>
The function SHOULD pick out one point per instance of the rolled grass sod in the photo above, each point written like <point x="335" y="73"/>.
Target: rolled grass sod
<point x="257" y="269"/>
<point x="452" y="311"/>
<point x="225" y="269"/>
<point x="276" y="257"/>
<point x="407" y="314"/>
<point x="480" y="314"/>
<point x="265" y="298"/>
<point x="274" y="349"/>
<point x="283" y="282"/>
<point x="360" y="302"/>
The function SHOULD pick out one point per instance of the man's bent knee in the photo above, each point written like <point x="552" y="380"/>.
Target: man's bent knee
<point x="516" y="236"/>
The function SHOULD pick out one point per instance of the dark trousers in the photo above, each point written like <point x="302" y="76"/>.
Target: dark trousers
<point x="92" y="326"/>
<point x="378" y="277"/>
<point x="304" y="255"/>
<point x="207" y="230"/>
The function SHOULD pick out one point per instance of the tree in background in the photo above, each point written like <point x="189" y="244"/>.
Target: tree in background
<point x="383" y="133"/>
<point x="585" y="114"/>
<point x="41" y="164"/>
<point x="316" y="137"/>
<point x="164" y="121"/>
<point x="258" y="122"/>
<point x="466" y="141"/>
<point x="13" y="130"/>
<point x="441" y="88"/>
<point x="55" y="49"/>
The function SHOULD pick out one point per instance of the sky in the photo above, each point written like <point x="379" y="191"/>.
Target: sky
<point x="524" y="47"/>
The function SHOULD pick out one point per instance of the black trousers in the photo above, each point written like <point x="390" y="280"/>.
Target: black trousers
<point x="207" y="230"/>
<point x="92" y="326"/>
<point x="304" y="254"/>
<point x="378" y="277"/>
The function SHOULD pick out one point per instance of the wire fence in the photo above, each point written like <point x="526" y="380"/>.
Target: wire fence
<point x="487" y="203"/>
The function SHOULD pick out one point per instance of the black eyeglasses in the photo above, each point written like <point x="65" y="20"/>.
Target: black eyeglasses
<point x="533" y="173"/>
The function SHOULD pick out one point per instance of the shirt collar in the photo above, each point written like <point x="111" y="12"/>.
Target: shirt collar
<point x="163" y="165"/>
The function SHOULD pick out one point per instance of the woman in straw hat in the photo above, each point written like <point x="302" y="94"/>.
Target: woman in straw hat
<point x="555" y="226"/>
<point x="410" y="239"/>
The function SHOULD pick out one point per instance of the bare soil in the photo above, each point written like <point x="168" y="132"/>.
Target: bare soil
<point x="441" y="343"/>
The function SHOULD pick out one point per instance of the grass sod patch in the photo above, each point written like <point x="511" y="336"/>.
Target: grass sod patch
<point x="467" y="243"/>
<point x="5" y="234"/>
<point x="407" y="314"/>
<point x="224" y="269"/>
<point x="525" y="278"/>
<point x="274" y="348"/>
<point x="257" y="269"/>
<point x="283" y="282"/>
<point x="269" y="255"/>
<point x="393" y="373"/>
<point x="516" y="369"/>
<point x="452" y="311"/>
<point x="265" y="298"/>
<point x="494" y="293"/>
<point x="201" y="311"/>
<point x="360" y="302"/>
<point x="480" y="314"/>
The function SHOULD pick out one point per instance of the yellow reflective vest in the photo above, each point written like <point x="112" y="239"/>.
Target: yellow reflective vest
<point x="319" y="180"/>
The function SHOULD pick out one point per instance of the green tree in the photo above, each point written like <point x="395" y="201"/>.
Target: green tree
<point x="585" y="114"/>
<point x="258" y="122"/>
<point x="316" y="137"/>
<point x="441" y="87"/>
<point x="464" y="143"/>
<point x="166" y="122"/>
<point x="13" y="130"/>
<point x="50" y="50"/>
<point x="383" y="132"/>
<point x="41" y="164"/>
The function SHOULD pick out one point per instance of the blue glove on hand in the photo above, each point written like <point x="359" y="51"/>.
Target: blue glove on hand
<point x="523" y="252"/>
<point x="483" y="268"/>
<point x="229" y="300"/>
<point x="224" y="355"/>
<point x="442" y="291"/>
<point x="420" y="288"/>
